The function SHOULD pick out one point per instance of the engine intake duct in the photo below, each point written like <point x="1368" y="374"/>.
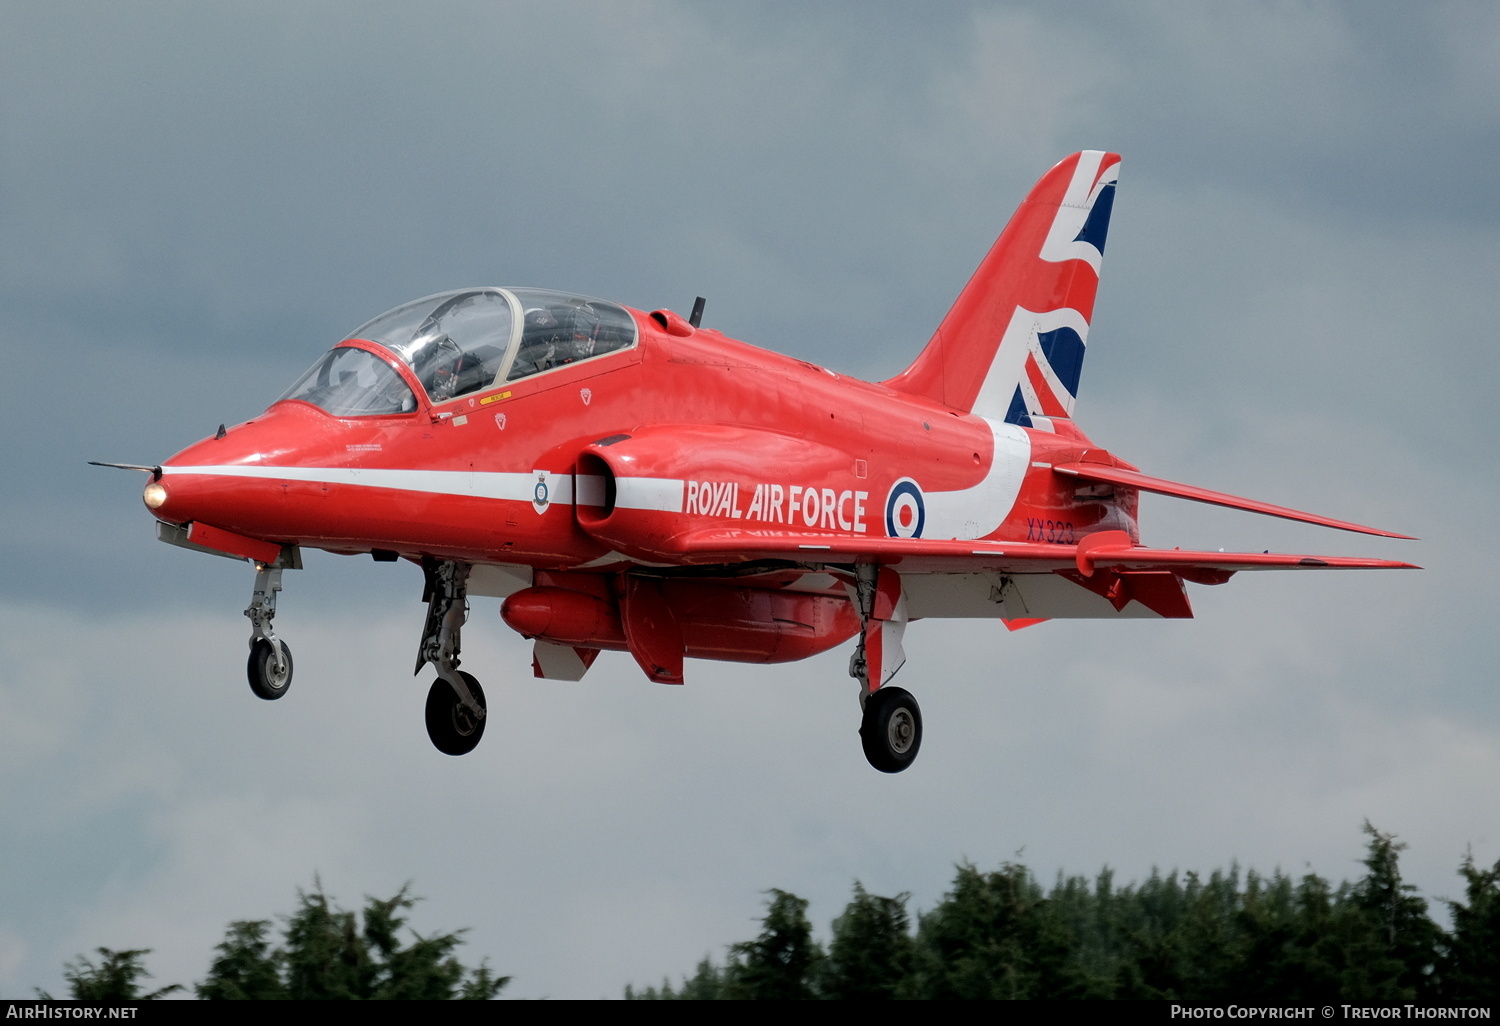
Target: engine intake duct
<point x="596" y="491"/>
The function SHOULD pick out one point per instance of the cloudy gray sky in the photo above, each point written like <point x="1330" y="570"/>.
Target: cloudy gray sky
<point x="1298" y="304"/>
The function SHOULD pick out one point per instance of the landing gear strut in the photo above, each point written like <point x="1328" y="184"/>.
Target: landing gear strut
<point x="891" y="729"/>
<point x="455" y="702"/>
<point x="270" y="665"/>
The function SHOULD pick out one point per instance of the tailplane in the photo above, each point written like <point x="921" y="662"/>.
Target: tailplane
<point x="1012" y="346"/>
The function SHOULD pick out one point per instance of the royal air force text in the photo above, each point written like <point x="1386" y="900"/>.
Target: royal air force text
<point x="821" y="508"/>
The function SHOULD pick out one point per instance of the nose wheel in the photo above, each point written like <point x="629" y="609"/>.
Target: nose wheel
<point x="270" y="664"/>
<point x="269" y="670"/>
<point x="891" y="730"/>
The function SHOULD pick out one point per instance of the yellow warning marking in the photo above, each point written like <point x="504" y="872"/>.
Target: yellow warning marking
<point x="493" y="398"/>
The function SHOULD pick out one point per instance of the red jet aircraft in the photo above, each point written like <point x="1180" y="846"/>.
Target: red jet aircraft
<point x="633" y="481"/>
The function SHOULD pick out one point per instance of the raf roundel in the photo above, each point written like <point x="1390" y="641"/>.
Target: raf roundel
<point x="905" y="513"/>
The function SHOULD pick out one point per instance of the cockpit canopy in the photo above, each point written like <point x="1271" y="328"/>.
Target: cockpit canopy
<point x="458" y="343"/>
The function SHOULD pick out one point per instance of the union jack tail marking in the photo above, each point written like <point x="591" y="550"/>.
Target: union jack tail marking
<point x="1012" y="346"/>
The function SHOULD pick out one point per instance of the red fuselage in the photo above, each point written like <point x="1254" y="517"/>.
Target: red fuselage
<point x="790" y="426"/>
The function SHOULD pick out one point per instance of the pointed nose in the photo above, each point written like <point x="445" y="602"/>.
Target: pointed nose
<point x="223" y="479"/>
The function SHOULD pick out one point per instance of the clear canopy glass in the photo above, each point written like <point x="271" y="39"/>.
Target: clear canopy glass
<point x="459" y="343"/>
<point x="559" y="329"/>
<point x="349" y="382"/>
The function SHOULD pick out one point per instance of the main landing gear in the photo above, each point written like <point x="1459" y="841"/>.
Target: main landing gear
<point x="890" y="730"/>
<point x="270" y="666"/>
<point x="455" y="703"/>
<point x="453" y="728"/>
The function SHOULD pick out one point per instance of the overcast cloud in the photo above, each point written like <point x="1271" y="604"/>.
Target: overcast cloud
<point x="1297" y="304"/>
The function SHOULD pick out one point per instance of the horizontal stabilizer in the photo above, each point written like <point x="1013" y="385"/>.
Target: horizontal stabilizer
<point x="1161" y="486"/>
<point x="1191" y="564"/>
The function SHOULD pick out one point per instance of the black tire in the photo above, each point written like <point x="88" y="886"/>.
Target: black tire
<point x="450" y="726"/>
<point x="891" y="730"/>
<point x="261" y="669"/>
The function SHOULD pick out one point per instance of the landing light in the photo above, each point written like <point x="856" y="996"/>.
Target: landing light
<point x="155" y="495"/>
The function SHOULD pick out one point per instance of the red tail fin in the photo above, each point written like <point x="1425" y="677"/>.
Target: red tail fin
<point x="1012" y="346"/>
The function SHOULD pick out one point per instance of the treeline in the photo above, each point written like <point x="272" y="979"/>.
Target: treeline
<point x="1230" y="937"/>
<point x="326" y="953"/>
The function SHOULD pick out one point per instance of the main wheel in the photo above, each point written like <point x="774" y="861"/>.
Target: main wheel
<point x="453" y="729"/>
<point x="891" y="730"/>
<point x="261" y="669"/>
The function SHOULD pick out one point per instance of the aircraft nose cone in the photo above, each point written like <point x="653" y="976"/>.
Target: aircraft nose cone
<point x="174" y="499"/>
<point x="220" y="479"/>
<point x="178" y="498"/>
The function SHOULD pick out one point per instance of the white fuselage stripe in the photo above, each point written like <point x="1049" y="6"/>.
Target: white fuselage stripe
<point x="632" y="493"/>
<point x="977" y="512"/>
<point x="965" y="513"/>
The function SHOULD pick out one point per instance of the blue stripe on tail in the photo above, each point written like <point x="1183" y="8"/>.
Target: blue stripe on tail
<point x="1097" y="225"/>
<point x="1064" y="351"/>
<point x="1017" y="414"/>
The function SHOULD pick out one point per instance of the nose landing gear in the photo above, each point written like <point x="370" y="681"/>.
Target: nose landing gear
<point x="455" y="703"/>
<point x="270" y="666"/>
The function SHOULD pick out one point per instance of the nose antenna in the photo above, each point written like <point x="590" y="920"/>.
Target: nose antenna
<point x="155" y="472"/>
<point x="697" y="318"/>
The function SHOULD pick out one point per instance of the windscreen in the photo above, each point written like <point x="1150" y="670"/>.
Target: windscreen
<point x="350" y="382"/>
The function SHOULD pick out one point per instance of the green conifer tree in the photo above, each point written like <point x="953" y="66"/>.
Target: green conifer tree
<point x="1396" y="957"/>
<point x="871" y="952"/>
<point x="780" y="964"/>
<point x="116" y="978"/>
<point x="329" y="954"/>
<point x="1471" y="967"/>
<point x="246" y="969"/>
<point x="994" y="936"/>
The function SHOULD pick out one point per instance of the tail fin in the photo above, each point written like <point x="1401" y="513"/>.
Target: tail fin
<point x="1012" y="345"/>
